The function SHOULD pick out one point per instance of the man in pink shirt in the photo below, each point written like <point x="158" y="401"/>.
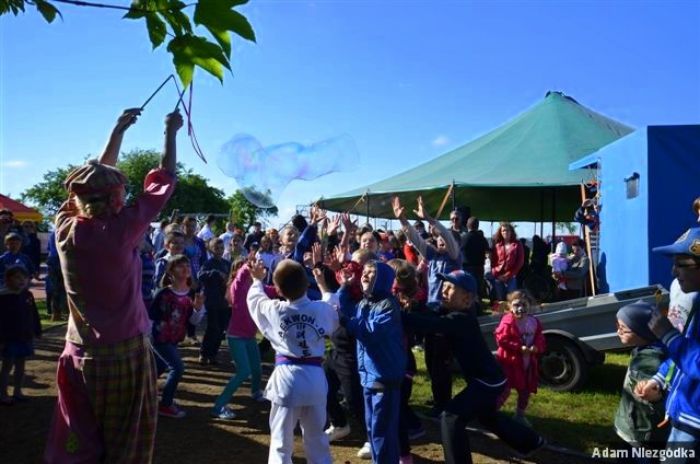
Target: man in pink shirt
<point x="107" y="404"/>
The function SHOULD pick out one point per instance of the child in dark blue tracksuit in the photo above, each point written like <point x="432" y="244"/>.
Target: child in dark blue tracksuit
<point x="376" y="324"/>
<point x="485" y="379"/>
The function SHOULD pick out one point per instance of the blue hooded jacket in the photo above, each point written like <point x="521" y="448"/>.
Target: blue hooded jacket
<point x="680" y="375"/>
<point x="376" y="324"/>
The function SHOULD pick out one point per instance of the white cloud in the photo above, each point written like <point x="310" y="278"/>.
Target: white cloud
<point x="440" y="141"/>
<point x="15" y="164"/>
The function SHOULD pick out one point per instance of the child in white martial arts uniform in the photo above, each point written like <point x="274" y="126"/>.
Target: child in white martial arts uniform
<point x="297" y="387"/>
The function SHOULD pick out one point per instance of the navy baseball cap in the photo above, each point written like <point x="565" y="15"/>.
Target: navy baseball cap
<point x="687" y="244"/>
<point x="461" y="279"/>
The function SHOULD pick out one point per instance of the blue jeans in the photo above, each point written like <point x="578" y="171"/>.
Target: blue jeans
<point x="244" y="352"/>
<point x="168" y="357"/>
<point x="500" y="289"/>
<point x="684" y="445"/>
<point x="382" y="421"/>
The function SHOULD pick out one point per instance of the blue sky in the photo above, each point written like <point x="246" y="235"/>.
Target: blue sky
<point x="407" y="80"/>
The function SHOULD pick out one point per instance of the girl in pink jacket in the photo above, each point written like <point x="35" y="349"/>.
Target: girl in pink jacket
<point x="241" y="342"/>
<point x="520" y="344"/>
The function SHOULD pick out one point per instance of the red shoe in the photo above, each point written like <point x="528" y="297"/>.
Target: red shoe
<point x="171" y="411"/>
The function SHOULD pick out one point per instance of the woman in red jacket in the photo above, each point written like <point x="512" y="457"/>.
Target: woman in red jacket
<point x="507" y="258"/>
<point x="520" y="344"/>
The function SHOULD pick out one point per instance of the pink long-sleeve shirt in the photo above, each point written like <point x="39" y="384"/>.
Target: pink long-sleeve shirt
<point x="241" y="324"/>
<point x="102" y="269"/>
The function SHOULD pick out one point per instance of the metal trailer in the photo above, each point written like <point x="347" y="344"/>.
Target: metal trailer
<point x="578" y="333"/>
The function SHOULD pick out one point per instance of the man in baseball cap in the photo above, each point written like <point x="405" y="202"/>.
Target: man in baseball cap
<point x="679" y="374"/>
<point x="485" y="379"/>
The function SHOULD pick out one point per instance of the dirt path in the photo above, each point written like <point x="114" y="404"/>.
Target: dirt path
<point x="197" y="438"/>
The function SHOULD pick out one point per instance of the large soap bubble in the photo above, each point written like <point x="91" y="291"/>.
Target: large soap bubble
<point x="262" y="173"/>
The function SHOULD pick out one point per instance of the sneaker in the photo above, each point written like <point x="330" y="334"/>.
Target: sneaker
<point x="541" y="443"/>
<point x="258" y="396"/>
<point x="408" y="459"/>
<point x="193" y="341"/>
<point x="337" y="433"/>
<point x="171" y="411"/>
<point x="224" y="413"/>
<point x="522" y="419"/>
<point x="204" y="361"/>
<point x="365" y="452"/>
<point x="416" y="433"/>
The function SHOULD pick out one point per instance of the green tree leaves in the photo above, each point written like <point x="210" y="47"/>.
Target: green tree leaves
<point x="47" y="10"/>
<point x="246" y="213"/>
<point x="165" y="18"/>
<point x="193" y="194"/>
<point x="219" y="18"/>
<point x="190" y="50"/>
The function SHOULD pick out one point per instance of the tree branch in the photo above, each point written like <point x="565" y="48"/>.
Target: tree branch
<point x="114" y="7"/>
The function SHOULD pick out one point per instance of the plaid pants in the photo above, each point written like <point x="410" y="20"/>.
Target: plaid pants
<point x="107" y="404"/>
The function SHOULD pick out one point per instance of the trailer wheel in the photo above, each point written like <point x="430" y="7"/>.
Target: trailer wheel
<point x="562" y="367"/>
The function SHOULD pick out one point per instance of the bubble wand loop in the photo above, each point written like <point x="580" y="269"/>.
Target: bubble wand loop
<point x="190" y="128"/>
<point x="148" y="100"/>
<point x="188" y="110"/>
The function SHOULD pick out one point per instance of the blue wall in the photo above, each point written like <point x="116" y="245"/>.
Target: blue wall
<point x="674" y="182"/>
<point x="624" y="250"/>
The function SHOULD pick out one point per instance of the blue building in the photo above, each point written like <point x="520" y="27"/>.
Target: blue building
<point x="647" y="183"/>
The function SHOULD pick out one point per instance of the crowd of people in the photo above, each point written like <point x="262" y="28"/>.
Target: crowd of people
<point x="375" y="294"/>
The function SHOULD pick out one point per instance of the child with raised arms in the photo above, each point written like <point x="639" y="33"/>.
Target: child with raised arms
<point x="297" y="388"/>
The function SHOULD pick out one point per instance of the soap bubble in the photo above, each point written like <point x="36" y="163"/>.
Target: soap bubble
<point x="262" y="173"/>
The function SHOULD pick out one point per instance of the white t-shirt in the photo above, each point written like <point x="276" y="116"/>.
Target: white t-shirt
<point x="680" y="305"/>
<point x="206" y="233"/>
<point x="296" y="329"/>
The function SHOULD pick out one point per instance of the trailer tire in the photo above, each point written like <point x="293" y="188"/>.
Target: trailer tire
<point x="562" y="366"/>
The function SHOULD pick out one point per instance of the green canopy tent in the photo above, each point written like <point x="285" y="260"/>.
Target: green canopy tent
<point x="517" y="172"/>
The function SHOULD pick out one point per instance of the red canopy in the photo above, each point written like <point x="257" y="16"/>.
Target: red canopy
<point x="20" y="211"/>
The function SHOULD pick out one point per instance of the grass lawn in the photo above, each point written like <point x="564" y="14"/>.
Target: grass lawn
<point x="581" y="420"/>
<point x="46" y="321"/>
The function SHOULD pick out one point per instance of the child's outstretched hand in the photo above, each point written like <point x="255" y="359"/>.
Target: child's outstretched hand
<point x="332" y="261"/>
<point x="333" y="225"/>
<point x="399" y="211"/>
<point x="258" y="270"/>
<point x="317" y="253"/>
<point x="421" y="212"/>
<point x="346" y="277"/>
<point x="347" y="222"/>
<point x="320" y="279"/>
<point x="340" y="254"/>
<point x="198" y="301"/>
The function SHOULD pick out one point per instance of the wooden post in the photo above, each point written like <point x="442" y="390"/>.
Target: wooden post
<point x="444" y="201"/>
<point x="587" y="235"/>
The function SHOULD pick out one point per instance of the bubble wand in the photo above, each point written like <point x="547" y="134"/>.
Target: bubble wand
<point x="187" y="108"/>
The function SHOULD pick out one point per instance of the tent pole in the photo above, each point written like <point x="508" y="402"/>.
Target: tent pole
<point x="554" y="217"/>
<point x="542" y="214"/>
<point x="454" y="196"/>
<point x="367" y="193"/>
